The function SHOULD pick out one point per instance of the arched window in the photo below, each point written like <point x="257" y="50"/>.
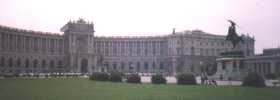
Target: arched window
<point x="234" y="66"/>
<point x="201" y="52"/>
<point x="268" y="68"/>
<point x="35" y="63"/>
<point x="60" y="64"/>
<point x="2" y="63"/>
<point x="161" y="66"/>
<point x="43" y="63"/>
<point x="154" y="66"/>
<point x="122" y="65"/>
<point x="107" y="65"/>
<point x="248" y="52"/>
<point x="51" y="64"/>
<point x="115" y="66"/>
<point x="11" y="62"/>
<point x="84" y="66"/>
<point x="27" y="63"/>
<point x="130" y="65"/>
<point x="138" y="66"/>
<point x="18" y="62"/>
<point x="241" y="65"/>
<point x="146" y="66"/>
<point x="192" y="51"/>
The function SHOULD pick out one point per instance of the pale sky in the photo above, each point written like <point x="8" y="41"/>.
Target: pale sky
<point x="259" y="18"/>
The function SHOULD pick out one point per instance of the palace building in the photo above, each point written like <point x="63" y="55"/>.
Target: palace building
<point x="78" y="50"/>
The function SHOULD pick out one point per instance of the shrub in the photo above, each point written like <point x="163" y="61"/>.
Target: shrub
<point x="158" y="79"/>
<point x="100" y="76"/>
<point x="36" y="75"/>
<point x="254" y="80"/>
<point x="53" y="75"/>
<point x="133" y="78"/>
<point x="270" y="76"/>
<point x="115" y="77"/>
<point x="8" y="76"/>
<point x="186" y="78"/>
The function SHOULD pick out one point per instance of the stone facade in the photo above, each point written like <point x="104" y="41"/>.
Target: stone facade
<point x="79" y="50"/>
<point x="238" y="67"/>
<point x="266" y="63"/>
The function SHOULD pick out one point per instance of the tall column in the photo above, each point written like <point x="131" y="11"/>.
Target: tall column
<point x="16" y="43"/>
<point x="39" y="44"/>
<point x="11" y="41"/>
<point x="120" y="48"/>
<point x="45" y="42"/>
<point x="111" y="47"/>
<point x="52" y="42"/>
<point x="50" y="45"/>
<point x="25" y="43"/>
<point x="35" y="43"/>
<point x="8" y="41"/>
<point x="1" y="42"/>
<point x="20" y="43"/>
<point x="55" y="46"/>
<point x="47" y="45"/>
<point x="32" y="44"/>
<point x="63" y="46"/>
<point x="58" y="46"/>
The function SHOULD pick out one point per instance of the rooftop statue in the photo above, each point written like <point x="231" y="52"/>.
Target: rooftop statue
<point x="81" y="21"/>
<point x="232" y="35"/>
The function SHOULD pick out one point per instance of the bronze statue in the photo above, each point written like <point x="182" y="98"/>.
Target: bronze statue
<point x="232" y="35"/>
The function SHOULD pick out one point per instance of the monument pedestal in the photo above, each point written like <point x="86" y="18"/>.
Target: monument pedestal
<point x="230" y="66"/>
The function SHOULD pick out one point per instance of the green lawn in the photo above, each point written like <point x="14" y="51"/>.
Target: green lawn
<point x="82" y="89"/>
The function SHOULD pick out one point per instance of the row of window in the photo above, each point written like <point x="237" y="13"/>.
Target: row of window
<point x="207" y="43"/>
<point x="30" y="44"/>
<point x="19" y="63"/>
<point x="203" y="52"/>
<point x="134" y="66"/>
<point x="130" y="48"/>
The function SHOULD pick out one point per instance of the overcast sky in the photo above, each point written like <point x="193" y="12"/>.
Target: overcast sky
<point x="259" y="18"/>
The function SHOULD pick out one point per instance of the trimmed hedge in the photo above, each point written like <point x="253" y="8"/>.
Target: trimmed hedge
<point x="186" y="79"/>
<point x="115" y="77"/>
<point x="100" y="76"/>
<point x="133" y="78"/>
<point x="158" y="79"/>
<point x="254" y="80"/>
